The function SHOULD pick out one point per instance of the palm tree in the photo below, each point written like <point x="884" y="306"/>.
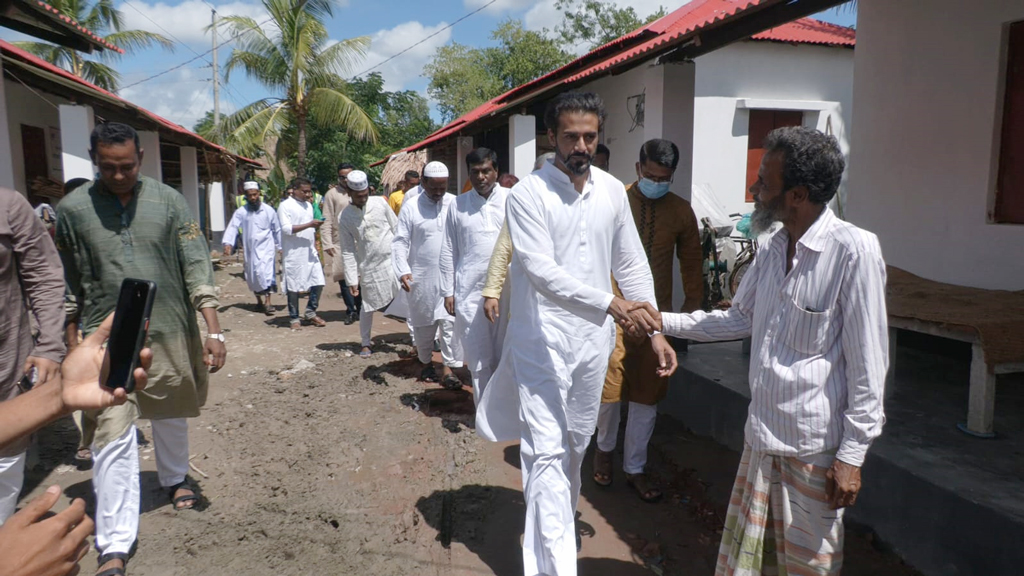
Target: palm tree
<point x="101" y="18"/>
<point x="296" y="59"/>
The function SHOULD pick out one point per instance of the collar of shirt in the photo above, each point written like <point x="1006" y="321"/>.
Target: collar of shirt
<point x="561" y="180"/>
<point x="817" y="235"/>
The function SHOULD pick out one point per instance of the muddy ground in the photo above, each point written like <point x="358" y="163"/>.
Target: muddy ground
<point x="314" y="461"/>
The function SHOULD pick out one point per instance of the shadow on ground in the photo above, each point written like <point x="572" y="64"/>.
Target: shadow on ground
<point x="455" y="408"/>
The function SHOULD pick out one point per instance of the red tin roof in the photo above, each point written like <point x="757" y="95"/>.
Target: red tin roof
<point x="71" y="23"/>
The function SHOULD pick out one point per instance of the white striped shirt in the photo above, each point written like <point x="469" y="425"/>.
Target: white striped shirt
<point x="820" y="341"/>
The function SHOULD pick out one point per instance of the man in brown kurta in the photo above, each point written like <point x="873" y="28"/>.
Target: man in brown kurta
<point x="668" y="227"/>
<point x="31" y="279"/>
<point x="335" y="202"/>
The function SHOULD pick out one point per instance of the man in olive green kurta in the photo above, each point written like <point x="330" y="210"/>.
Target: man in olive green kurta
<point x="131" y="226"/>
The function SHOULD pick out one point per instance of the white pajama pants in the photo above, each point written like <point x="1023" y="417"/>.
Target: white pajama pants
<point x="12" y="477"/>
<point x="639" y="428"/>
<point x="423" y="336"/>
<point x="480" y="379"/>
<point x="116" y="480"/>
<point x="366" y="326"/>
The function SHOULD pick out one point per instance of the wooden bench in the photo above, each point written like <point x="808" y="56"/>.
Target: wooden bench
<point x="982" y="397"/>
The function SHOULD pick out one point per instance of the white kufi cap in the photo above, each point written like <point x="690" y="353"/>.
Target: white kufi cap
<point x="356" y="181"/>
<point x="250" y="185"/>
<point x="435" y="169"/>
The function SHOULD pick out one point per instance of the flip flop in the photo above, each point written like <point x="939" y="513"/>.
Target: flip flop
<point x="451" y="382"/>
<point x="365" y="352"/>
<point x="645" y="489"/>
<point x="602" y="468"/>
<point x="104" y="558"/>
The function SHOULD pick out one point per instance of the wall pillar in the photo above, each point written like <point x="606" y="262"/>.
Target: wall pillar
<point x="151" y="166"/>
<point x="6" y="160"/>
<point x="190" y="179"/>
<point x="215" y="197"/>
<point x="463" y="146"/>
<point x="76" y="124"/>
<point x="522" y="144"/>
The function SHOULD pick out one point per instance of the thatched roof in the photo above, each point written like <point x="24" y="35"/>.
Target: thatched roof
<point x="398" y="165"/>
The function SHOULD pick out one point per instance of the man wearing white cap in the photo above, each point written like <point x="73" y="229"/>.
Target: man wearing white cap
<point x="472" y="227"/>
<point x="415" y="254"/>
<point x="261" y="239"/>
<point x="366" y="229"/>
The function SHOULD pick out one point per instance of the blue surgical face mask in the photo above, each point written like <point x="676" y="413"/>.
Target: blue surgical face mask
<point x="652" y="189"/>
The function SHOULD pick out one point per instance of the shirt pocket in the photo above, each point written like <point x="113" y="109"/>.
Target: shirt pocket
<point x="806" y="330"/>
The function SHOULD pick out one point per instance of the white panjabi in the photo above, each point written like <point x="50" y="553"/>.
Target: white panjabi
<point x="261" y="239"/>
<point x="301" y="262"/>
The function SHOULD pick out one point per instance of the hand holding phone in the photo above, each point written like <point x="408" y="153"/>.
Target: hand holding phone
<point x="128" y="333"/>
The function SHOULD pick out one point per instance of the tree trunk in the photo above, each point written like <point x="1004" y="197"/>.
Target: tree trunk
<point x="301" y="152"/>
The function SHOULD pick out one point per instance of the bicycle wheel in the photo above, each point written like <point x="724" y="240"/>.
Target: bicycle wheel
<point x="738" y="271"/>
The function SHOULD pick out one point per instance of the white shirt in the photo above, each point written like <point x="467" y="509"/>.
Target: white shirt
<point x="301" y="262"/>
<point x="416" y="250"/>
<point x="365" y="235"/>
<point x="820" y="341"/>
<point x="471" y="230"/>
<point x="261" y="237"/>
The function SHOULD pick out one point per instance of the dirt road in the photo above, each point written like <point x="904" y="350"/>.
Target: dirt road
<point x="315" y="461"/>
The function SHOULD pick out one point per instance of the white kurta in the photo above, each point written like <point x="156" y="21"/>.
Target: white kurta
<point x="261" y="238"/>
<point x="471" y="230"/>
<point x="302" y="268"/>
<point x="417" y="250"/>
<point x="365" y="235"/>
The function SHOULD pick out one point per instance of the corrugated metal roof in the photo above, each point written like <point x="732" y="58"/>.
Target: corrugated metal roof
<point x="73" y="82"/>
<point x="643" y="43"/>
<point x="71" y="23"/>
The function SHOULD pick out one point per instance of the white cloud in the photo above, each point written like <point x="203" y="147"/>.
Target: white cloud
<point x="183" y="96"/>
<point x="499" y="5"/>
<point x="543" y="14"/>
<point x="186" y="21"/>
<point x="407" y="67"/>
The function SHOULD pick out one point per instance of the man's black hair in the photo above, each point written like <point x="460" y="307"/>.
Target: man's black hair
<point x="481" y="155"/>
<point x="661" y="152"/>
<point x="602" y="149"/>
<point x="300" y="182"/>
<point x="573" y="102"/>
<point x="346" y="166"/>
<point x="411" y="174"/>
<point x="109" y="133"/>
<point x="73" y="184"/>
<point x="809" y="158"/>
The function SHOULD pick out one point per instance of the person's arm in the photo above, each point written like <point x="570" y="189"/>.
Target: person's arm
<point x="328" y="231"/>
<point x="275" y="228"/>
<point x="691" y="260"/>
<point x="630" y="267"/>
<point x="732" y="324"/>
<point x="400" y="247"/>
<point x="449" y="255"/>
<point x="535" y="249"/>
<point x="288" y="226"/>
<point x="497" y="269"/>
<point x="231" y="232"/>
<point x="197" y="270"/>
<point x="392" y="217"/>
<point x="42" y="279"/>
<point x="347" y="240"/>
<point x="66" y="242"/>
<point x="34" y="542"/>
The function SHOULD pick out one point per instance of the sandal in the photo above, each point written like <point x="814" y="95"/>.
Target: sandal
<point x="366" y="352"/>
<point x="192" y="499"/>
<point x="429" y="373"/>
<point x="317" y="321"/>
<point x="104" y="558"/>
<point x="451" y="382"/>
<point x="647" y="491"/>
<point x="602" y="467"/>
<point x="295" y="325"/>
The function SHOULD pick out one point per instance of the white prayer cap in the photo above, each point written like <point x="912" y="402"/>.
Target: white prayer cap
<point x="435" y="169"/>
<point x="356" y="181"/>
<point x="250" y="185"/>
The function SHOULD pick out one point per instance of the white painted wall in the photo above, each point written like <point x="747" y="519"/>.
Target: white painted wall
<point x="24" y="107"/>
<point x="928" y="96"/>
<point x="76" y="125"/>
<point x="615" y="91"/>
<point x="151" y="165"/>
<point x="818" y="75"/>
<point x="522" y="144"/>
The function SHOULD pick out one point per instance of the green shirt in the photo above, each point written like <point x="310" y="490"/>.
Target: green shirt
<point x="155" y="237"/>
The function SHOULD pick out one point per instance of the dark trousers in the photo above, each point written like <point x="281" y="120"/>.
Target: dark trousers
<point x="311" y="306"/>
<point x="353" y="304"/>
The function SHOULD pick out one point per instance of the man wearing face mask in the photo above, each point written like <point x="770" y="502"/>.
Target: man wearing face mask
<point x="261" y="239"/>
<point x="667" y="226"/>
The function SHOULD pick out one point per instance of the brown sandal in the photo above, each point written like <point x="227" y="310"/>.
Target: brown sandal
<point x="317" y="321"/>
<point x="602" y="467"/>
<point x="645" y="489"/>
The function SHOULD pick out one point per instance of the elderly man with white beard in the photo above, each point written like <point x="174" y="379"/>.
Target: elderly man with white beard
<point x="415" y="255"/>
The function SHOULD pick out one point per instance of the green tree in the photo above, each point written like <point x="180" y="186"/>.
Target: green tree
<point x="294" y="58"/>
<point x="462" y="78"/>
<point x="403" y="118"/>
<point x="103" y="19"/>
<point x="205" y="128"/>
<point x="595" y="23"/>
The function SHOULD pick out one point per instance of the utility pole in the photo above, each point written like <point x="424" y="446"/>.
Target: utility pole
<point x="216" y="74"/>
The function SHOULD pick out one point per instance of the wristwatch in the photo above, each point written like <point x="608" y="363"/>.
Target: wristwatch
<point x="216" y="337"/>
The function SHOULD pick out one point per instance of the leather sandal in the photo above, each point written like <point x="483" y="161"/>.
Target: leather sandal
<point x="192" y="499"/>
<point x="104" y="558"/>
<point x="645" y="489"/>
<point x="602" y="467"/>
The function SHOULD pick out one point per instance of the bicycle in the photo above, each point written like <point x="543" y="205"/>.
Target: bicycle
<point x="748" y="245"/>
<point x="713" y="268"/>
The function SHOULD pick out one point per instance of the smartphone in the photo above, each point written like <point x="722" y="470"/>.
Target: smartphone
<point x="128" y="335"/>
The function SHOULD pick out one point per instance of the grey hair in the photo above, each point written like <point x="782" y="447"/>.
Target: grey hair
<point x="810" y="158"/>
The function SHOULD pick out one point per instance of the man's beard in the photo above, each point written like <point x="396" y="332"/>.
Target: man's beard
<point x="581" y="164"/>
<point x="765" y="215"/>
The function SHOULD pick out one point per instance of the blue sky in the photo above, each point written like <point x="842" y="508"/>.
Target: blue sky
<point x="185" y="94"/>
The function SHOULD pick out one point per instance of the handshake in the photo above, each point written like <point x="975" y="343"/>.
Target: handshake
<point x="636" y="318"/>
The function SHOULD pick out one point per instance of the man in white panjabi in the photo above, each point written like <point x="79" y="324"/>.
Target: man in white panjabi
<point x="474" y="221"/>
<point x="415" y="254"/>
<point x="814" y="305"/>
<point x="572" y="230"/>
<point x="261" y="240"/>
<point x="302" y="270"/>
<point x="366" y="230"/>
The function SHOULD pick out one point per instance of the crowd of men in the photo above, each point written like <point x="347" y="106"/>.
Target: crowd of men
<point x="555" y="291"/>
